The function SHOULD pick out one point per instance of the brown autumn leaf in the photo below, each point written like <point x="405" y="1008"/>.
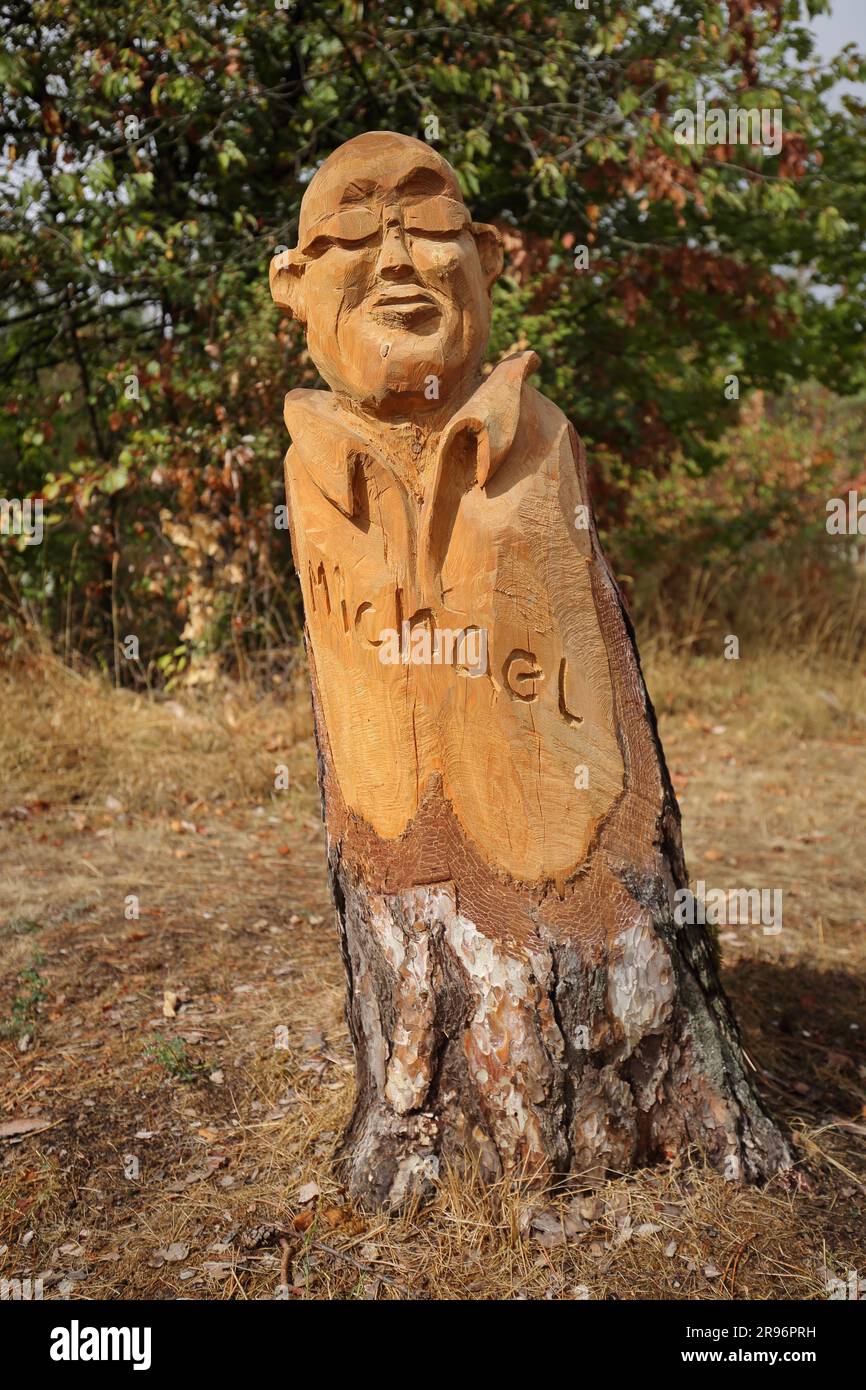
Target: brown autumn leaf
<point x="207" y="1170"/>
<point x="24" y="1124"/>
<point x="51" y="119"/>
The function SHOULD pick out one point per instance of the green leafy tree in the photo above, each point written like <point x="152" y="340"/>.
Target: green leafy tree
<point x="155" y="154"/>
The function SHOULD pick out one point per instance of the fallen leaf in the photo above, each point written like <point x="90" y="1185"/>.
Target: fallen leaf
<point x="590" y="1208"/>
<point x="211" y="1163"/>
<point x="9" y="1129"/>
<point x="647" y="1228"/>
<point x="174" y="1253"/>
<point x="547" y="1230"/>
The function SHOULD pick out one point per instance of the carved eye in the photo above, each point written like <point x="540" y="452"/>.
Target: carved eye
<point x="435" y="217"/>
<point x="348" y="228"/>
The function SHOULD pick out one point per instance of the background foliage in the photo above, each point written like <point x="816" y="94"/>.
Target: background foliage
<point x="155" y="154"/>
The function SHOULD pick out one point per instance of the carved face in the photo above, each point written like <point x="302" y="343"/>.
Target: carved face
<point x="390" y="275"/>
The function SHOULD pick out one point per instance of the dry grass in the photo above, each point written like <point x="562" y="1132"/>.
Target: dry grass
<point x="228" y="1129"/>
<point x="73" y="737"/>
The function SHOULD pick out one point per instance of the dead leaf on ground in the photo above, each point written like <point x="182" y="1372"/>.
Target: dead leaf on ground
<point x="209" y="1167"/>
<point x="173" y="1254"/>
<point x="25" y="1124"/>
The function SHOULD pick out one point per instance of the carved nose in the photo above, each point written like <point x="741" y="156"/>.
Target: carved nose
<point x="395" y="263"/>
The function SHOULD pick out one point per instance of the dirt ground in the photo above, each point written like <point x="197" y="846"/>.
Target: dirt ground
<point x="174" y="1065"/>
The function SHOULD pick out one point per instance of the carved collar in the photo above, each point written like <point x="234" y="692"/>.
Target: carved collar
<point x="492" y="414"/>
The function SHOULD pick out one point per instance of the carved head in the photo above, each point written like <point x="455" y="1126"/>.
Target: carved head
<point x="390" y="276"/>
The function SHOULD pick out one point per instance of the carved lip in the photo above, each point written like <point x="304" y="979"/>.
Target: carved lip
<point x="405" y="297"/>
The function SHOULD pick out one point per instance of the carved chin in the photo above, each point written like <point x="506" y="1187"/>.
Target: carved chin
<point x="400" y="364"/>
<point x="407" y="375"/>
<point x="399" y="357"/>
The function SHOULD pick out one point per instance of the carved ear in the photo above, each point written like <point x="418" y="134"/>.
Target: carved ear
<point x="489" y="244"/>
<point x="287" y="283"/>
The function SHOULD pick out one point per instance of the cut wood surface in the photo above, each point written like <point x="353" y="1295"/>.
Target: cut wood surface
<point x="526" y="698"/>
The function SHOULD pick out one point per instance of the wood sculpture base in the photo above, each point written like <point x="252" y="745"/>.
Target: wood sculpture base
<point x="477" y="1054"/>
<point x="556" y="1058"/>
<point x="542" y="1022"/>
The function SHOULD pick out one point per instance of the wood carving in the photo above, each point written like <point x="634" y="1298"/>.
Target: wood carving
<point x="504" y="842"/>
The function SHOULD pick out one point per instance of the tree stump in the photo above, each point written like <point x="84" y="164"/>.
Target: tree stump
<point x="503" y="838"/>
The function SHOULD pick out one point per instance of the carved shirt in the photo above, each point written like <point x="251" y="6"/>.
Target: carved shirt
<point x="456" y="637"/>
